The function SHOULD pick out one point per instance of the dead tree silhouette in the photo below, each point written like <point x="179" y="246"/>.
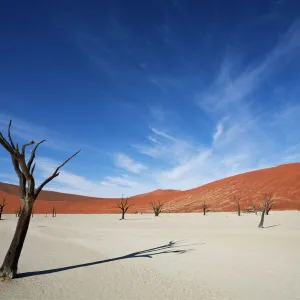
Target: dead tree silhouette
<point x="204" y="208"/>
<point x="2" y="205"/>
<point x="156" y="207"/>
<point x="28" y="193"/>
<point x="237" y="200"/>
<point x="124" y="206"/>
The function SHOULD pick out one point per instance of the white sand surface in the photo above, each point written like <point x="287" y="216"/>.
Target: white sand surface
<point x="219" y="256"/>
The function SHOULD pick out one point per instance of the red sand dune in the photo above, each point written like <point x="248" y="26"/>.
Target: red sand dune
<point x="283" y="181"/>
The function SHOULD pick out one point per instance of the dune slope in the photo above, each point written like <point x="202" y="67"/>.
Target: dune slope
<point x="282" y="181"/>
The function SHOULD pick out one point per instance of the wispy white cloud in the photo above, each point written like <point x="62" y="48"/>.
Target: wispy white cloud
<point x="125" y="162"/>
<point x="108" y="186"/>
<point x="228" y="89"/>
<point x="183" y="170"/>
<point x="162" y="134"/>
<point x="219" y="132"/>
<point x="123" y="181"/>
<point x="164" y="146"/>
<point x="25" y="131"/>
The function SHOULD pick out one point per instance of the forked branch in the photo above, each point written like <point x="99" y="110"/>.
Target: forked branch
<point x="25" y="170"/>
<point x="268" y="202"/>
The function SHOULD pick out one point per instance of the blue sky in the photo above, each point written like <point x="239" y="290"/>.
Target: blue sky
<point x="157" y="94"/>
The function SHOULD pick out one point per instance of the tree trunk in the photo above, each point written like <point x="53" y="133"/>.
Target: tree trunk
<point x="123" y="215"/>
<point x="10" y="265"/>
<point x="0" y="214"/>
<point x="261" y="224"/>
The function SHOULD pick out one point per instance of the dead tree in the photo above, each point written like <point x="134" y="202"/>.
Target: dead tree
<point x="254" y="207"/>
<point x="53" y="212"/>
<point x="32" y="213"/>
<point x="236" y="200"/>
<point x="2" y="205"/>
<point x="28" y="193"/>
<point x="204" y="208"/>
<point x="124" y="206"/>
<point x="18" y="212"/>
<point x="157" y="207"/>
<point x="264" y="210"/>
<point x="268" y="202"/>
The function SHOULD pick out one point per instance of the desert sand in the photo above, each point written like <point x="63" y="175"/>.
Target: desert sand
<point x="218" y="256"/>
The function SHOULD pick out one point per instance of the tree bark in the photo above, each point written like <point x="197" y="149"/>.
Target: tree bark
<point x="123" y="215"/>
<point x="10" y="264"/>
<point x="261" y="224"/>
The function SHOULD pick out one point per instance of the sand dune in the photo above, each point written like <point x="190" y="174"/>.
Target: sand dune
<point x="283" y="181"/>
<point x="220" y="256"/>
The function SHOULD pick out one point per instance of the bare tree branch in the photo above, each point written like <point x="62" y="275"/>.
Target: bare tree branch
<point x="55" y="174"/>
<point x="30" y="161"/>
<point x="32" y="170"/>
<point x="26" y="145"/>
<point x="22" y="179"/>
<point x="6" y="144"/>
<point x="9" y="135"/>
<point x="268" y="202"/>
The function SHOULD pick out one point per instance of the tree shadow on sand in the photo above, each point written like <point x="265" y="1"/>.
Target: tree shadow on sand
<point x="171" y="247"/>
<point x="271" y="226"/>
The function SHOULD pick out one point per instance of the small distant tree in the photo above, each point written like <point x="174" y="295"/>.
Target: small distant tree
<point x="254" y="207"/>
<point x="18" y="212"/>
<point x="32" y="213"/>
<point x="124" y="206"/>
<point x="156" y="207"/>
<point x="268" y="202"/>
<point x="53" y="212"/>
<point x="236" y="200"/>
<point x="204" y="208"/>
<point x="2" y="205"/>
